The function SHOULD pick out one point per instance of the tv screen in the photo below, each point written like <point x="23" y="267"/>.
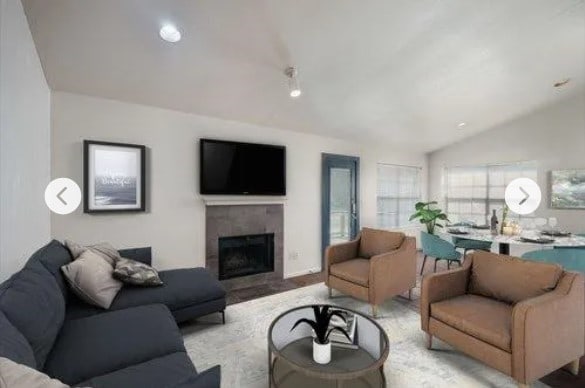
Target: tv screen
<point x="232" y="168"/>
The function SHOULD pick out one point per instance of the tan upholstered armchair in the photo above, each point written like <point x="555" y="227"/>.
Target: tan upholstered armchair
<point x="524" y="318"/>
<point x="377" y="265"/>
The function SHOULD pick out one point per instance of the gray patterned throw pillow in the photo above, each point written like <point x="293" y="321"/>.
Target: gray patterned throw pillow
<point x="136" y="273"/>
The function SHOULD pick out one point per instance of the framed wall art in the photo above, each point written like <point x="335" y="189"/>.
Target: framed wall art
<point x="113" y="177"/>
<point x="567" y="189"/>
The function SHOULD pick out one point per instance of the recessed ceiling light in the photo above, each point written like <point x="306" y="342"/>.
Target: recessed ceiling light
<point x="561" y="83"/>
<point x="461" y="125"/>
<point x="170" y="33"/>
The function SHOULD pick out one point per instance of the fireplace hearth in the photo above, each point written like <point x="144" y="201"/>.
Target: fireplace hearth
<point x="245" y="255"/>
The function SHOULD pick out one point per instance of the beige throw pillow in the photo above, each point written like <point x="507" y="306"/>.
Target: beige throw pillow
<point x="91" y="278"/>
<point x="106" y="250"/>
<point x="14" y="375"/>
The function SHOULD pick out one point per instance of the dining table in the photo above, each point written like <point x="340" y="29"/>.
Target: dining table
<point x="526" y="238"/>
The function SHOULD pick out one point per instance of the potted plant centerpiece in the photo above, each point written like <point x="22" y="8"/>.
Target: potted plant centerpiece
<point x="427" y="214"/>
<point x="322" y="330"/>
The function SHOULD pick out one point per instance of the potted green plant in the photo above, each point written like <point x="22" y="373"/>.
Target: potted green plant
<point x="321" y="343"/>
<point x="427" y="214"/>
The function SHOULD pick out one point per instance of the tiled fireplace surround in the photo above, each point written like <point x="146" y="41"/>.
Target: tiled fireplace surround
<point x="237" y="220"/>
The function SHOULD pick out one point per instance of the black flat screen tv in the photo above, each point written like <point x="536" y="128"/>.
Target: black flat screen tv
<point x="232" y="168"/>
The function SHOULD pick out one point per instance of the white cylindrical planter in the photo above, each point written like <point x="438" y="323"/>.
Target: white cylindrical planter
<point x="321" y="353"/>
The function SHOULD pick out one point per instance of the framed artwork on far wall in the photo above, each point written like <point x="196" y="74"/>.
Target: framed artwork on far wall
<point x="567" y="189"/>
<point x="113" y="177"/>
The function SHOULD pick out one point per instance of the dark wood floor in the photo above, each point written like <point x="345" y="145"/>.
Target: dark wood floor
<point x="557" y="379"/>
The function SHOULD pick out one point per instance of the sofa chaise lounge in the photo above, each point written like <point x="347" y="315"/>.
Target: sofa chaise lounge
<point x="136" y="343"/>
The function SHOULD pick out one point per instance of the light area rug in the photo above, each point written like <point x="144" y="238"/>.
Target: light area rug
<point x="240" y="346"/>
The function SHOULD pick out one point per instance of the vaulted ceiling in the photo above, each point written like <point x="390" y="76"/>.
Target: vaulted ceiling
<point x="399" y="71"/>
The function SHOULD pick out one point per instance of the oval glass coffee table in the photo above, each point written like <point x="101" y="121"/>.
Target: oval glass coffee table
<point x="290" y="354"/>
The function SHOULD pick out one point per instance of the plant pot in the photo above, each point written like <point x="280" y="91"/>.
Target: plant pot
<point x="321" y="352"/>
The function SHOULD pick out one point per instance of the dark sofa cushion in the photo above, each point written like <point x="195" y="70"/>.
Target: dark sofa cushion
<point x="107" y="342"/>
<point x="143" y="255"/>
<point x="13" y="345"/>
<point x="53" y="256"/>
<point x="211" y="378"/>
<point x="182" y="289"/>
<point x="33" y="302"/>
<point x="165" y="371"/>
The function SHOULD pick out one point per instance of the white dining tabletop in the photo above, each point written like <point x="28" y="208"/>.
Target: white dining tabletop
<point x="485" y="235"/>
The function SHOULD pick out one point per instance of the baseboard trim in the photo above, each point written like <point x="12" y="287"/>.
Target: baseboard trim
<point x="303" y="272"/>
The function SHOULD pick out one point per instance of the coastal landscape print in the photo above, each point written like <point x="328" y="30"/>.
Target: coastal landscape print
<point x="568" y="189"/>
<point x="114" y="177"/>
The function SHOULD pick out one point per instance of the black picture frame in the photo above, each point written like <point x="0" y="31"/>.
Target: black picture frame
<point x="127" y="201"/>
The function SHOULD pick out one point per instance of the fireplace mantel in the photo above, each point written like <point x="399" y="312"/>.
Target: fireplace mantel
<point x="222" y="200"/>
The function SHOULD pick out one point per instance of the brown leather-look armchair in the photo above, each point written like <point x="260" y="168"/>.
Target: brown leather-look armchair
<point x="377" y="265"/>
<point x="524" y="318"/>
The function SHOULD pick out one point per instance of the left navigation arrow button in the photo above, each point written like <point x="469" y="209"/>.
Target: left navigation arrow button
<point x="62" y="196"/>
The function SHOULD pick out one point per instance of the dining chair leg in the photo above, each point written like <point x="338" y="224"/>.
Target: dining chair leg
<point x="423" y="264"/>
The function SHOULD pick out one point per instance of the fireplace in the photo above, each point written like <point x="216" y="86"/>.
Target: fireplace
<point x="225" y="224"/>
<point x="245" y="255"/>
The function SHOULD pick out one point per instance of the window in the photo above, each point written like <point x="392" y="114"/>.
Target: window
<point x="398" y="191"/>
<point x="472" y="192"/>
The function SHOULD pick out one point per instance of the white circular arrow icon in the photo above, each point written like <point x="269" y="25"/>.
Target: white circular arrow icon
<point x="523" y="196"/>
<point x="62" y="196"/>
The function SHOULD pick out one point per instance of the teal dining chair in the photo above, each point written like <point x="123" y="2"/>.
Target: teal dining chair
<point x="471" y="245"/>
<point x="435" y="246"/>
<point x="572" y="259"/>
<point x="468" y="244"/>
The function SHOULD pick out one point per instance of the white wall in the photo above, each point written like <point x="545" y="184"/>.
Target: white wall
<point x="175" y="223"/>
<point x="24" y="142"/>
<point x="554" y="137"/>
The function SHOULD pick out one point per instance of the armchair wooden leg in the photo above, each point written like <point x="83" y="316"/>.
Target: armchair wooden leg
<point x="429" y="341"/>
<point x="375" y="311"/>
<point x="410" y="294"/>
<point x="330" y="292"/>
<point x="423" y="264"/>
<point x="435" y="269"/>
<point x="574" y="367"/>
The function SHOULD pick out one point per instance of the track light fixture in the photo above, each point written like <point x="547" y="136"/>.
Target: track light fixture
<point x="293" y="82"/>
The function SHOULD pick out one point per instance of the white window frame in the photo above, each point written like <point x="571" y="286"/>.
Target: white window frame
<point x="488" y="201"/>
<point x="397" y="213"/>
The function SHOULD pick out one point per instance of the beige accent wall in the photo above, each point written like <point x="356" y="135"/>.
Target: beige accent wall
<point x="174" y="224"/>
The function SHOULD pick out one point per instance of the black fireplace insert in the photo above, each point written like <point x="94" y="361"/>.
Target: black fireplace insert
<point x="245" y="255"/>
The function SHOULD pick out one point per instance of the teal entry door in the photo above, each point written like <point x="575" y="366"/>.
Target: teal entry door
<point x="340" y="202"/>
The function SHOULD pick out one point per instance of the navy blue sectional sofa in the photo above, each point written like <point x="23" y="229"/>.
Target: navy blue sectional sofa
<point x="136" y="343"/>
